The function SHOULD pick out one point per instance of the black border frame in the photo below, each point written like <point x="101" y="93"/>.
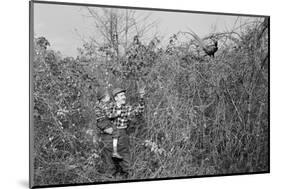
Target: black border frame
<point x="31" y="141"/>
<point x="31" y="37"/>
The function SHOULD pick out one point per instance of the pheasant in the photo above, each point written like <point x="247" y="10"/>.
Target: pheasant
<point x="210" y="49"/>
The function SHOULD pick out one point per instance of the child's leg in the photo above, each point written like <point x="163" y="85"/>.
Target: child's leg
<point x="115" y="141"/>
<point x="115" y="145"/>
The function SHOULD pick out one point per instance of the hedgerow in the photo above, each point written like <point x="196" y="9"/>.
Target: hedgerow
<point x="204" y="115"/>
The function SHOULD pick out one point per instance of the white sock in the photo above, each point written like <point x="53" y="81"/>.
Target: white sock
<point x="115" y="144"/>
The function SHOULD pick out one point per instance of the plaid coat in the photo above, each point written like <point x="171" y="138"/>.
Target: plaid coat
<point x="104" y="113"/>
<point x="127" y="111"/>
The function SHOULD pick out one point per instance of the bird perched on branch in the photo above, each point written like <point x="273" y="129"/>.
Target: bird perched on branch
<point x="210" y="49"/>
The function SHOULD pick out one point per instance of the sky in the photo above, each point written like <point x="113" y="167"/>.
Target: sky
<point x="65" y="26"/>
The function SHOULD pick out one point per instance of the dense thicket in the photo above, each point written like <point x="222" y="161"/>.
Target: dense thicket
<point x="203" y="115"/>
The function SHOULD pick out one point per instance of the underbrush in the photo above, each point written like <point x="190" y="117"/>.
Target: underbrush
<point x="203" y="116"/>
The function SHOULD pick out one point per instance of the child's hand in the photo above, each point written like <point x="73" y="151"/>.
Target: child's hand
<point x="137" y="108"/>
<point x="118" y="112"/>
<point x="142" y="91"/>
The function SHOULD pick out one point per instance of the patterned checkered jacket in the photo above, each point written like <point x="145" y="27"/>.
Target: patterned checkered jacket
<point x="104" y="110"/>
<point x="127" y="112"/>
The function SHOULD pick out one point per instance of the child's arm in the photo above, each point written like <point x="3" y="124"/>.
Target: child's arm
<point x="141" y="105"/>
<point x="131" y="111"/>
<point x="98" y="112"/>
<point x="100" y="115"/>
<point x="139" y="109"/>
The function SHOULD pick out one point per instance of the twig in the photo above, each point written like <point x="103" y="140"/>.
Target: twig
<point x="233" y="103"/>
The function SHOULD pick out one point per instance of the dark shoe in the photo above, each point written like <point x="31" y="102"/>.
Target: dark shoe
<point x="115" y="174"/>
<point x="124" y="175"/>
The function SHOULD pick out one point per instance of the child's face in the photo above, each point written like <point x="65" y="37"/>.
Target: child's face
<point x="120" y="98"/>
<point x="106" y="98"/>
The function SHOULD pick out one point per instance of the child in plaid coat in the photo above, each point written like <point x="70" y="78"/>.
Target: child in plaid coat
<point x="104" y="113"/>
